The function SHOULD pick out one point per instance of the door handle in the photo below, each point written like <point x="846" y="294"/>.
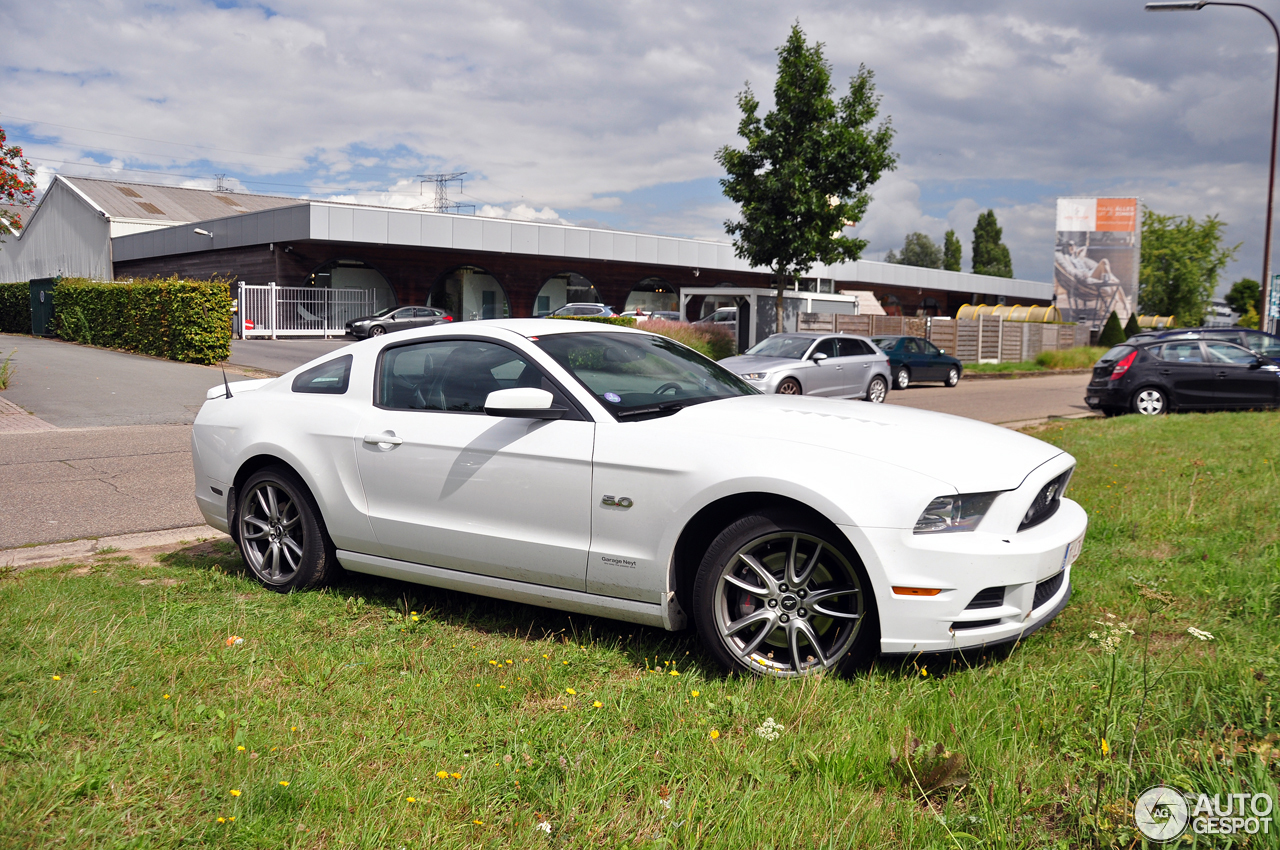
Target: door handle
<point x="382" y="439"/>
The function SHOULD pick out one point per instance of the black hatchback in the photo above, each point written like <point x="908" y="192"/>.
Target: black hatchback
<point x="1156" y="376"/>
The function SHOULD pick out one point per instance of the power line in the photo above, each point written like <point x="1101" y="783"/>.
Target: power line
<point x="442" y="181"/>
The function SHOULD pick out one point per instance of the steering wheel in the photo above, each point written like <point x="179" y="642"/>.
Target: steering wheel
<point x="668" y="386"/>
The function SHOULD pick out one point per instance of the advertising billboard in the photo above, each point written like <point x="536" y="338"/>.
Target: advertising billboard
<point x="1096" y="258"/>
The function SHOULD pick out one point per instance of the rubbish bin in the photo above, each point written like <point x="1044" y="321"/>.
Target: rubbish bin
<point x="42" y="306"/>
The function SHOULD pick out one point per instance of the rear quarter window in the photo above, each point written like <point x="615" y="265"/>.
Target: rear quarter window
<point x="1114" y="354"/>
<point x="329" y="378"/>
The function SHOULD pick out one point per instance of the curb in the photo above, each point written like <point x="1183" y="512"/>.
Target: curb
<point x="31" y="555"/>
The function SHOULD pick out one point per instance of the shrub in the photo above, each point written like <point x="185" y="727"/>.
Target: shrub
<point x="1112" y="333"/>
<point x="624" y="321"/>
<point x="1072" y="358"/>
<point x="708" y="340"/>
<point x="15" y="308"/>
<point x="177" y="319"/>
<point x="1131" y="326"/>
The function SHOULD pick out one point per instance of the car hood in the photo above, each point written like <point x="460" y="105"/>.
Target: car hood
<point x="756" y="363"/>
<point x="365" y="319"/>
<point x="971" y="456"/>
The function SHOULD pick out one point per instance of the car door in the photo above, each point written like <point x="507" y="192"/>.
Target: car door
<point x="822" y="377"/>
<point x="1183" y="369"/>
<point x="914" y="358"/>
<point x="1240" y="380"/>
<point x="933" y="356"/>
<point x="449" y="486"/>
<point x="856" y="357"/>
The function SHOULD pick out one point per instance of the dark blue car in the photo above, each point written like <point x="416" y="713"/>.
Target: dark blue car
<point x="913" y="359"/>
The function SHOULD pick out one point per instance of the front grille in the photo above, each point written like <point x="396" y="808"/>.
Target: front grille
<point x="1045" y="590"/>
<point x="991" y="597"/>
<point x="1046" y="501"/>
<point x="975" y="624"/>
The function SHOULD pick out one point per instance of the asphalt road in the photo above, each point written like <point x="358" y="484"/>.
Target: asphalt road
<point x="119" y="460"/>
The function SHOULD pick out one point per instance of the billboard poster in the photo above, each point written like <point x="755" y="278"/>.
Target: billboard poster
<point x="1095" y="259"/>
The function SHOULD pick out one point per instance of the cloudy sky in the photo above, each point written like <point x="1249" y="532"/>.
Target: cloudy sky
<point x="610" y="114"/>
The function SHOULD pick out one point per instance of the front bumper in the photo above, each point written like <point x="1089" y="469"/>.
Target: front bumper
<point x="995" y="584"/>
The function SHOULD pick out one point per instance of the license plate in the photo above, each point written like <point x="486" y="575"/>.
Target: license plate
<point x="1073" y="552"/>
<point x="1091" y="400"/>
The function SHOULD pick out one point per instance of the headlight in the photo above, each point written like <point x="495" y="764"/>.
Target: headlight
<point x="954" y="513"/>
<point x="755" y="376"/>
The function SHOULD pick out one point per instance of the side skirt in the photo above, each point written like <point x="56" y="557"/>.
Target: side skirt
<point x="513" y="591"/>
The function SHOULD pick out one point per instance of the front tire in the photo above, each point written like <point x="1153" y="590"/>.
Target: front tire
<point x="1150" y="401"/>
<point x="790" y="386"/>
<point x="779" y="595"/>
<point x="281" y="533"/>
<point x="953" y="376"/>
<point x="377" y="330"/>
<point x="877" y="390"/>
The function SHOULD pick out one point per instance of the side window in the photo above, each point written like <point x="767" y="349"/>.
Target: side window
<point x="1223" y="353"/>
<point x="1182" y="352"/>
<point x="826" y="346"/>
<point x="930" y="348"/>
<point x="912" y="346"/>
<point x="329" y="378"/>
<point x="453" y="375"/>
<point x="852" y="347"/>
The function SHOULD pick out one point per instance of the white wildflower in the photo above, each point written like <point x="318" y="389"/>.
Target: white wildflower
<point x="545" y="826"/>
<point x="1111" y="635"/>
<point x="1198" y="633"/>
<point x="770" y="729"/>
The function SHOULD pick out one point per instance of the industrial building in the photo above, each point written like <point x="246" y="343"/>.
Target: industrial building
<point x="473" y="267"/>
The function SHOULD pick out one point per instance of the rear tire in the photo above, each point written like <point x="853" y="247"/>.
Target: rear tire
<point x="877" y="390"/>
<point x="953" y="376"/>
<point x="281" y="533"/>
<point x="1150" y="401"/>
<point x="790" y="386"/>
<point x="778" y="594"/>
<point x="902" y="379"/>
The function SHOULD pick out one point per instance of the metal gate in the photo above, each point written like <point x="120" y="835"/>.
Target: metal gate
<point x="274" y="311"/>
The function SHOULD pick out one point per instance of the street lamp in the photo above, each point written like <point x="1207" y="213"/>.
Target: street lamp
<point x="1195" y="5"/>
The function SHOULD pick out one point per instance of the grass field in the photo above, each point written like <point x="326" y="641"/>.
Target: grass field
<point x="1046" y="361"/>
<point x="379" y="714"/>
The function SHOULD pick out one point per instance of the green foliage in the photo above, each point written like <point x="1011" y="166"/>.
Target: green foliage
<point x="172" y="318"/>
<point x="1244" y="293"/>
<point x="806" y="168"/>
<point x="623" y="321"/>
<point x="951" y="252"/>
<point x="1250" y="319"/>
<point x="711" y="341"/>
<point x="1046" y="361"/>
<point x="6" y="370"/>
<point x="1112" y="332"/>
<point x="990" y="255"/>
<point x="15" y="308"/>
<point x="1181" y="261"/>
<point x="1131" y="327"/>
<point x="918" y="250"/>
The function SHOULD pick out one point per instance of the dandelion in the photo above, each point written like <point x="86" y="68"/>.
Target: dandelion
<point x="1105" y="749"/>
<point x="222" y="820"/>
<point x="695" y="694"/>
<point x="284" y="783"/>
<point x="493" y="663"/>
<point x="770" y="729"/>
<point x="415" y="619"/>
<point x="571" y="692"/>
<point x="674" y="672"/>
<point x="597" y="704"/>
<point x="235" y="792"/>
<point x="232" y="819"/>
<point x="502" y="687"/>
<point x="293" y="728"/>
<point x="564" y="662"/>
<point x="509" y="661"/>
<point x="478" y="822"/>
<point x="924" y="672"/>
<point x="411" y="799"/>
<point x="239" y="749"/>
<point x="166" y="696"/>
<point x="715" y="733"/>
<point x="544" y="655"/>
<point x="57" y="678"/>
<point x="1198" y="633"/>
<point x="443" y="774"/>
<point x="456" y="775"/>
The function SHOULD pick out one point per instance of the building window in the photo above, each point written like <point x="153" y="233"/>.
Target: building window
<point x="562" y="289"/>
<point x="652" y="293"/>
<point x="469" y="293"/>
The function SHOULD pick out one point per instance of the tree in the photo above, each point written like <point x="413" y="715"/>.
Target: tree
<point x="918" y="250"/>
<point x="1244" y="293"/>
<point x="990" y="255"/>
<point x="1250" y="318"/>
<point x="17" y="185"/>
<point x="1131" y="327"/>
<point x="951" y="252"/>
<point x="1112" y="333"/>
<point x="804" y="174"/>
<point x="1181" y="261"/>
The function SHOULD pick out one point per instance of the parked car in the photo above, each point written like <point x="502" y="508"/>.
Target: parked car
<point x="725" y="317"/>
<point x="1158" y="376"/>
<point x="838" y="365"/>
<point x="667" y="315"/>
<point x="915" y="359"/>
<point x="1259" y="342"/>
<point x="611" y="472"/>
<point x="585" y="309"/>
<point x="646" y="315"/>
<point x="396" y="319"/>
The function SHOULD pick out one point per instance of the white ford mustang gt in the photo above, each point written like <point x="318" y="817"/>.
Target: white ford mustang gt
<point x="612" y="472"/>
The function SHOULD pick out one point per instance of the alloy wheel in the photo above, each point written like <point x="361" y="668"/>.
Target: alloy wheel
<point x="1149" y="402"/>
<point x="953" y="376"/>
<point x="272" y="533"/>
<point x="789" y="386"/>
<point x="903" y="379"/>
<point x="787" y="604"/>
<point x="877" y="391"/>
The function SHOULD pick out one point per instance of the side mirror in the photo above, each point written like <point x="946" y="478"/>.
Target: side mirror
<point x="1256" y="364"/>
<point x="818" y="357"/>
<point x="522" y="403"/>
<point x="942" y="351"/>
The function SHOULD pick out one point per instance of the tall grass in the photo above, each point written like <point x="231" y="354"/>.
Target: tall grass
<point x="710" y="340"/>
<point x="382" y="714"/>
<point x="6" y="370"/>
<point x="1072" y="358"/>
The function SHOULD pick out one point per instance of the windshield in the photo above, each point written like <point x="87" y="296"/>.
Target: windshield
<point x="385" y="311"/>
<point x="637" y="375"/>
<point x="782" y="345"/>
<point x="1114" y="354"/>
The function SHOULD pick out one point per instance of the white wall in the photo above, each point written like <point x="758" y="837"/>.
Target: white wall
<point x="64" y="236"/>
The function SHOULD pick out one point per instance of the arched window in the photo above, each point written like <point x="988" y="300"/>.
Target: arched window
<point x="468" y="293"/>
<point x="653" y="293"/>
<point x="564" y="288"/>
<point x="892" y="306"/>
<point x="930" y="307"/>
<point x="352" y="275"/>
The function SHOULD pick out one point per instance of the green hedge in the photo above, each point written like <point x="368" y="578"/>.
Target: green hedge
<point x="624" y="321"/>
<point x="15" y="308"/>
<point x="188" y="320"/>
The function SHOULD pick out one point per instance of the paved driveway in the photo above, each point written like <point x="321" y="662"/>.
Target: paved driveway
<point x="1005" y="401"/>
<point x="278" y="356"/>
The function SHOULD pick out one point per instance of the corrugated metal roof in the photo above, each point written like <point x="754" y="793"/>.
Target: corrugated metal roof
<point x="171" y="203"/>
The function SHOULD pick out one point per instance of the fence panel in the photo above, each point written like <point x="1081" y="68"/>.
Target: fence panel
<point x="989" y="334"/>
<point x="1012" y="335"/>
<point x="859" y="325"/>
<point x="818" y="322"/>
<point x="276" y="311"/>
<point x="967" y="340"/>
<point x="942" y="333"/>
